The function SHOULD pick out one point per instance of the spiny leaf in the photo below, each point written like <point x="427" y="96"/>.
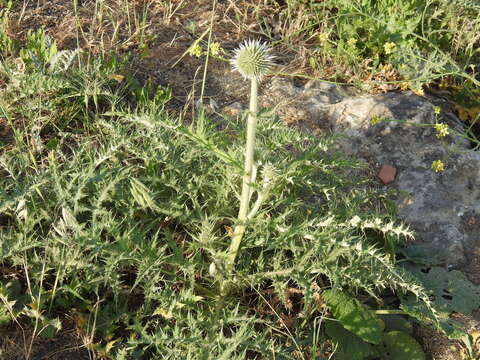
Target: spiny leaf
<point x="141" y="194"/>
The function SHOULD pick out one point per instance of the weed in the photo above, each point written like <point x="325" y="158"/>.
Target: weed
<point x="253" y="61"/>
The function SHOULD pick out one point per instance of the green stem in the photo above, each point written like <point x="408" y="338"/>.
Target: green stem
<point x="247" y="177"/>
<point x="390" y="312"/>
<point x="207" y="57"/>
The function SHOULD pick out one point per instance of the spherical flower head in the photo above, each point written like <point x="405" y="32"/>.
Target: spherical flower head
<point x="252" y="60"/>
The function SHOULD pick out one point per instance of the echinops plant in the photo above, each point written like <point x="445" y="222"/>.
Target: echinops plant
<point x="253" y="61"/>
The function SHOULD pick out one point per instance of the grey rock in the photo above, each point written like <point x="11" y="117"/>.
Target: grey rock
<point x="306" y="106"/>
<point x="443" y="208"/>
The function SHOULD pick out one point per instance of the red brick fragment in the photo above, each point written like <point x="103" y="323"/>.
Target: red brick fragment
<point x="387" y="174"/>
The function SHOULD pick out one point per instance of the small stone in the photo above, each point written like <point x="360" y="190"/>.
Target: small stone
<point x="387" y="174"/>
<point x="233" y="109"/>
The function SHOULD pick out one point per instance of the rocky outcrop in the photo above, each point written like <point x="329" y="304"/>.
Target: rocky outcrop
<point x="442" y="207"/>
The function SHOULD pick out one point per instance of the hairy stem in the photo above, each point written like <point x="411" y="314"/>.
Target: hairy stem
<point x="247" y="178"/>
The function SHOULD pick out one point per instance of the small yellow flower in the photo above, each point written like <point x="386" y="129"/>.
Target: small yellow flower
<point x="442" y="129"/>
<point x="352" y="42"/>
<point x="323" y="37"/>
<point x="444" y="83"/>
<point x="404" y="85"/>
<point x="438" y="166"/>
<point x="375" y="119"/>
<point x="418" y="91"/>
<point x="437" y="110"/>
<point x="195" y="50"/>
<point x="389" y="47"/>
<point x="215" y="48"/>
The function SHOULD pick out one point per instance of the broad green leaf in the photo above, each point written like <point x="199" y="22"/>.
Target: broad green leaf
<point x="423" y="254"/>
<point x="451" y="290"/>
<point x="349" y="345"/>
<point x="401" y="346"/>
<point x="353" y="315"/>
<point x="397" y="323"/>
<point x="419" y="311"/>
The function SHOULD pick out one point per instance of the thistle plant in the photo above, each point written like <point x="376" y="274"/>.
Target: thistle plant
<point x="253" y="61"/>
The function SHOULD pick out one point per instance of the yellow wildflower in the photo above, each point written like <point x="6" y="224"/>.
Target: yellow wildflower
<point x="404" y="85"/>
<point x="375" y="119"/>
<point x="352" y="42"/>
<point x="195" y="50"/>
<point x="437" y="109"/>
<point x="323" y="37"/>
<point x="442" y="129"/>
<point x="215" y="48"/>
<point x="438" y="166"/>
<point x="418" y="91"/>
<point x="389" y="47"/>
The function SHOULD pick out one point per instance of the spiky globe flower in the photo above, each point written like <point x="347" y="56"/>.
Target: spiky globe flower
<point x="252" y="59"/>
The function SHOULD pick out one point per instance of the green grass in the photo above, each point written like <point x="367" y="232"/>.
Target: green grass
<point x="429" y="44"/>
